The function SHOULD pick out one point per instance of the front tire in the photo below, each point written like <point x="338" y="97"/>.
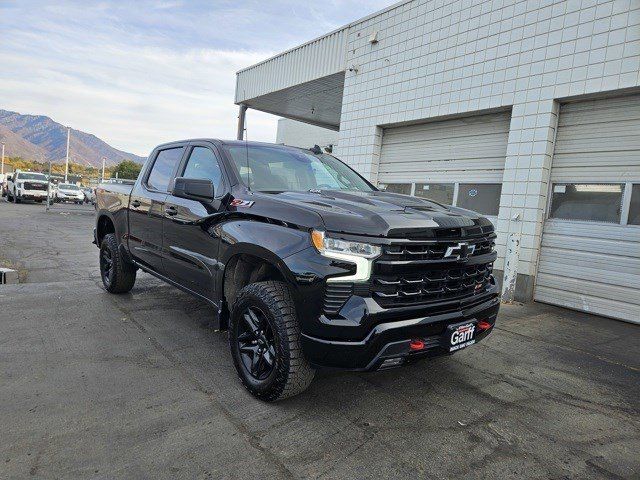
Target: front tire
<point x="118" y="275"/>
<point x="264" y="337"/>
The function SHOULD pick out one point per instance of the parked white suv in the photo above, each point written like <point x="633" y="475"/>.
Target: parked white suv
<point x="27" y="186"/>
<point x="68" y="192"/>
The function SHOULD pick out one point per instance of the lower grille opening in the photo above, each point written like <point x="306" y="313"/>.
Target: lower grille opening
<point x="335" y="296"/>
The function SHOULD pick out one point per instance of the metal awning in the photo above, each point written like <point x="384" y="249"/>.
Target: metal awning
<point x="305" y="83"/>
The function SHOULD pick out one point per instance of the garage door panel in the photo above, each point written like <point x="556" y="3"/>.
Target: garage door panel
<point x="627" y="158"/>
<point x="475" y="126"/>
<point x="600" y="111"/>
<point x="613" y="308"/>
<point x="588" y="269"/>
<point x="585" y="141"/>
<point x="440" y="176"/>
<point x="444" y="150"/>
<point x="591" y="289"/>
<point x="607" y="248"/>
<point x="594" y="266"/>
<point x="439" y="165"/>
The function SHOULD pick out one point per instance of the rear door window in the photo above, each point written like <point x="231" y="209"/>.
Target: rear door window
<point x="163" y="168"/>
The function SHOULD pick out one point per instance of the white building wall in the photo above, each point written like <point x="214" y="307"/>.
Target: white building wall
<point x="300" y="134"/>
<point x="439" y="58"/>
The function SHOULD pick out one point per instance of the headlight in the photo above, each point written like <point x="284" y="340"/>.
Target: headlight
<point x="326" y="244"/>
<point x="362" y="254"/>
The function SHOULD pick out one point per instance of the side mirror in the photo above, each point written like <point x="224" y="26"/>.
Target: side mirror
<point x="193" y="188"/>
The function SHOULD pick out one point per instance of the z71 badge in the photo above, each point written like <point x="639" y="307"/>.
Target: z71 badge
<point x="241" y="203"/>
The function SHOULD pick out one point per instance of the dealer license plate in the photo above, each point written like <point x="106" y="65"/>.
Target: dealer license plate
<point x="461" y="336"/>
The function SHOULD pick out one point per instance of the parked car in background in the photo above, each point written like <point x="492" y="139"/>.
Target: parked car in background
<point x="89" y="195"/>
<point x="69" y="193"/>
<point x="307" y="264"/>
<point x="27" y="186"/>
<point x="3" y="184"/>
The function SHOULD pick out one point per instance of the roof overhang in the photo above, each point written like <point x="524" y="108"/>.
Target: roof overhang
<point x="305" y="83"/>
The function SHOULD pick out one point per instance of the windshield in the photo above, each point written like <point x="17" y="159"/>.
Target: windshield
<point x="276" y="169"/>
<point x="31" y="176"/>
<point x="68" y="186"/>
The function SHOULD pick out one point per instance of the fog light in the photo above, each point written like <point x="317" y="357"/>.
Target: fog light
<point x="484" y="325"/>
<point x="416" y="344"/>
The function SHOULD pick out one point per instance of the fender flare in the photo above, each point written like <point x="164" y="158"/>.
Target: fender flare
<point x="268" y="242"/>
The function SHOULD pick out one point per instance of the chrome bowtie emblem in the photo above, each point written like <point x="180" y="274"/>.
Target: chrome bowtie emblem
<point x="460" y="251"/>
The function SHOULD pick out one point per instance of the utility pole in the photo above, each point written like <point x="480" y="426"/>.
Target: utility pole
<point x="102" y="176"/>
<point x="66" y="164"/>
<point x="2" y="171"/>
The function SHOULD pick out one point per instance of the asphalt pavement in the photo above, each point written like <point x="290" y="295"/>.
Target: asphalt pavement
<point x="94" y="385"/>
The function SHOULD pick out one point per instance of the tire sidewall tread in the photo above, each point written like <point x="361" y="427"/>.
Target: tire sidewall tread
<point x="123" y="274"/>
<point x="293" y="373"/>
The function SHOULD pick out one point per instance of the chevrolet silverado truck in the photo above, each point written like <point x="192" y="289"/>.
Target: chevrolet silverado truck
<point x="306" y="263"/>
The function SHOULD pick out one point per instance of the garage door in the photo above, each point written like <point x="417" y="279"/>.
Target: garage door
<point x="455" y="162"/>
<point x="465" y="149"/>
<point x="590" y="256"/>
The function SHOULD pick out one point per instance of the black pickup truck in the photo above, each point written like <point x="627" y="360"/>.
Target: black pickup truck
<point x="305" y="262"/>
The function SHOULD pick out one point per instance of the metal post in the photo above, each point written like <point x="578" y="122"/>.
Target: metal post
<point x="2" y="171"/>
<point x="102" y="176"/>
<point x="48" y="188"/>
<point x="66" y="165"/>
<point x="241" y="117"/>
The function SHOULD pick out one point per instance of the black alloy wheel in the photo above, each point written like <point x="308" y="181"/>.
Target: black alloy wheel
<point x="106" y="265"/>
<point x="265" y="342"/>
<point x="117" y="274"/>
<point x="256" y="343"/>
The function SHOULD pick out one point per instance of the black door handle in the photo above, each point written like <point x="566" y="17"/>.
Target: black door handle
<point x="135" y="203"/>
<point x="171" y="211"/>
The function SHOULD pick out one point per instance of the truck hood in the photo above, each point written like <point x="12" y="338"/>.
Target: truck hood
<point x="377" y="213"/>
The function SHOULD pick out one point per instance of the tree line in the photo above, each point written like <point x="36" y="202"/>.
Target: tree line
<point x="126" y="169"/>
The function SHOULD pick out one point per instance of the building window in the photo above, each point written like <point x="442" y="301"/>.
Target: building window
<point x="404" y="188"/>
<point x="587" y="201"/>
<point x="634" y="207"/>
<point x="438" y="192"/>
<point x="483" y="198"/>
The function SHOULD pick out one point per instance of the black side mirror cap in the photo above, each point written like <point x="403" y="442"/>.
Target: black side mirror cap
<point x="193" y="188"/>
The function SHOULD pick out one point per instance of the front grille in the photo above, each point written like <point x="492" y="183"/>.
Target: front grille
<point x="335" y="296"/>
<point x="429" y="286"/>
<point x="35" y="186"/>
<point x="419" y="273"/>
<point x="434" y="251"/>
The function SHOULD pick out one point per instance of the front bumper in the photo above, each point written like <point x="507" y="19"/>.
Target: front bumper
<point x="32" y="194"/>
<point x="69" y="198"/>
<point x="388" y="344"/>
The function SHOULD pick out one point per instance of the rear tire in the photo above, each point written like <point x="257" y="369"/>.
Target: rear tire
<point x="264" y="332"/>
<point x="118" y="275"/>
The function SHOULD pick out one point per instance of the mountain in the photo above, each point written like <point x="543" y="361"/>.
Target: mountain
<point x="36" y="137"/>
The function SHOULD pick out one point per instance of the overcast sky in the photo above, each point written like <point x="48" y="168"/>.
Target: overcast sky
<point x="138" y="73"/>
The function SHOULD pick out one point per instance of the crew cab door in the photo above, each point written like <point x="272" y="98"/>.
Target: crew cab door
<point x="191" y="250"/>
<point x="147" y="204"/>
